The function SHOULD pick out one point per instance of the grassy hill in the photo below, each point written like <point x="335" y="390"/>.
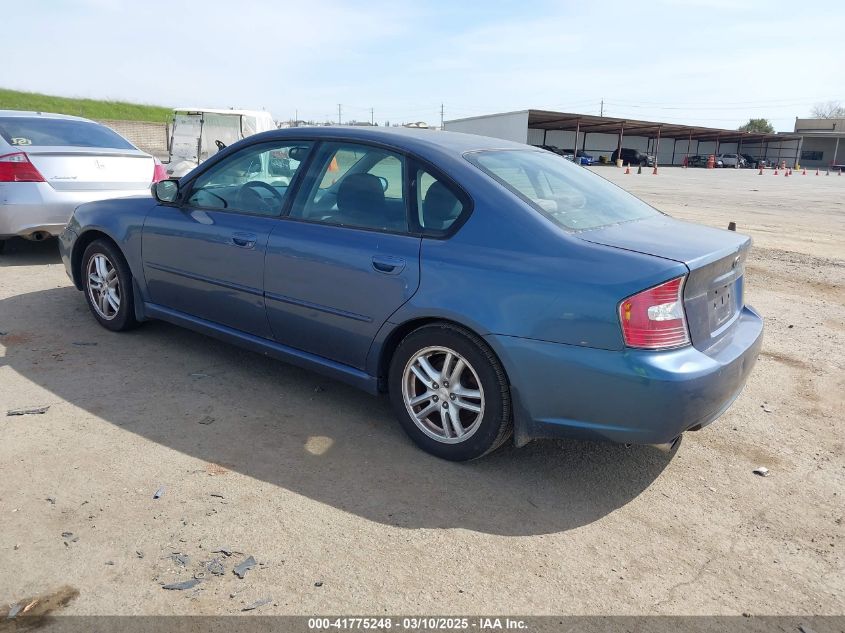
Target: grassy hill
<point x="88" y="108"/>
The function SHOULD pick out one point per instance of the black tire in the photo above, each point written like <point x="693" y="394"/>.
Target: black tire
<point x="495" y="427"/>
<point x="124" y="318"/>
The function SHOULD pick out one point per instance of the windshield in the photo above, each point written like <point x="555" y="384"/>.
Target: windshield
<point x="569" y="195"/>
<point x="24" y="132"/>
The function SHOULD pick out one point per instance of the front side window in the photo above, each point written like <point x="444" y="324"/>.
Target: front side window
<point x="571" y="196"/>
<point x="254" y="180"/>
<point x="357" y="186"/>
<point x="42" y="131"/>
<point x="438" y="207"/>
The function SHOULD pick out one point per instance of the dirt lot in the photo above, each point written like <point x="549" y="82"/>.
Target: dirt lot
<point x="344" y="515"/>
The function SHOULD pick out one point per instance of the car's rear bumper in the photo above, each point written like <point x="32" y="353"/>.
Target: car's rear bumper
<point x="33" y="208"/>
<point x="629" y="396"/>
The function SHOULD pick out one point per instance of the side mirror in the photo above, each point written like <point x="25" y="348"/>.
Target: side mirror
<point x="166" y="191"/>
<point x="384" y="183"/>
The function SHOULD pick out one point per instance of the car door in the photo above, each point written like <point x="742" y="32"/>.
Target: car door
<point x="344" y="259"/>
<point x="204" y="256"/>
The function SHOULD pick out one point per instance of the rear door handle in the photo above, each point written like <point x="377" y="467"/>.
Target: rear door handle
<point x="388" y="264"/>
<point x="244" y="240"/>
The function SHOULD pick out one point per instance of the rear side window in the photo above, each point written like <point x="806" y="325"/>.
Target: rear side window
<point x="571" y="196"/>
<point x="438" y="207"/>
<point x="25" y="132"/>
<point x="357" y="186"/>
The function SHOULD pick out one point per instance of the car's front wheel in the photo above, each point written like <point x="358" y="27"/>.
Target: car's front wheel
<point x="107" y="283"/>
<point x="450" y="392"/>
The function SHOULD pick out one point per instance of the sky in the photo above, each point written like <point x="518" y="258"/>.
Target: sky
<point x="703" y="62"/>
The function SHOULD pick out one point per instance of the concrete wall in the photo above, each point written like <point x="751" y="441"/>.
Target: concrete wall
<point x="826" y="146"/>
<point x="511" y="126"/>
<point x="820" y="125"/>
<point x="148" y="137"/>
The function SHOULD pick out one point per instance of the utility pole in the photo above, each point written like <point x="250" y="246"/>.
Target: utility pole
<point x="296" y="118"/>
<point x="372" y="117"/>
<point x="601" y="108"/>
<point x="441" y="116"/>
<point x="338" y="114"/>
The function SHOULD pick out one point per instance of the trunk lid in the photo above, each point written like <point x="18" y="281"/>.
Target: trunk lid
<point x="713" y="292"/>
<point x="89" y="169"/>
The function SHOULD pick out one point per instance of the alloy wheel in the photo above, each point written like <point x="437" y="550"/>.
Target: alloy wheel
<point x="103" y="286"/>
<point x="443" y="394"/>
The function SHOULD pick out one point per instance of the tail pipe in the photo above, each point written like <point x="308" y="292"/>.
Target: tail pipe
<point x="668" y="447"/>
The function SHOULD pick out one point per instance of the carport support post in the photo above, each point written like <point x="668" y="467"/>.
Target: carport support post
<point x="835" y="150"/>
<point x="798" y="152"/>
<point x="716" y="154"/>
<point x="575" y="143"/>
<point x="739" y="152"/>
<point x="619" y="144"/>
<point x="689" y="143"/>
<point x="657" y="147"/>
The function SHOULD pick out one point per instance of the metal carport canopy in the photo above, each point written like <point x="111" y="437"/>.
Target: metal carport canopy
<point x="569" y="121"/>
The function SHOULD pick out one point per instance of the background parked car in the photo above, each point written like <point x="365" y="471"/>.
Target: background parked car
<point x="730" y="160"/>
<point x="633" y="157"/>
<point x="567" y="154"/>
<point x="583" y="157"/>
<point x="51" y="163"/>
<point x="751" y="161"/>
<point x="697" y="161"/>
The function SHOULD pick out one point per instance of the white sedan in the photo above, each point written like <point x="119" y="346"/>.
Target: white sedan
<point x="52" y="163"/>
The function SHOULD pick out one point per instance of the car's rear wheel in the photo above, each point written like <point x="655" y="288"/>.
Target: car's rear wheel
<point x="107" y="283"/>
<point x="450" y="392"/>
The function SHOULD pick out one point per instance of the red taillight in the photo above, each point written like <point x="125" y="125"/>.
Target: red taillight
<point x="158" y="171"/>
<point x="654" y="318"/>
<point x="17" y="168"/>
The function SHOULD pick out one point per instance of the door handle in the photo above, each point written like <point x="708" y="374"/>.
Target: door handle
<point x="244" y="240"/>
<point x="388" y="264"/>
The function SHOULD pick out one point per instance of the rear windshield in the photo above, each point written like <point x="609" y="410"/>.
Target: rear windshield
<point x="569" y="195"/>
<point x="26" y="132"/>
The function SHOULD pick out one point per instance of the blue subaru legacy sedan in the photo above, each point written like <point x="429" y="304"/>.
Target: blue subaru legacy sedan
<point x="493" y="290"/>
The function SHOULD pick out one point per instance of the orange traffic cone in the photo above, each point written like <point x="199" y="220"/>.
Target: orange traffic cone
<point x="804" y="173"/>
<point x="817" y="171"/>
<point x="628" y="168"/>
<point x="654" y="173"/>
<point x="785" y="172"/>
<point x="761" y="170"/>
<point x="776" y="170"/>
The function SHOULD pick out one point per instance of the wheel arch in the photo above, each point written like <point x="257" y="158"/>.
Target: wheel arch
<point x="79" y="247"/>
<point x="399" y="332"/>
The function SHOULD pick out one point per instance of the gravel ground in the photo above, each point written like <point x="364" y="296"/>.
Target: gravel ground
<point x="343" y="515"/>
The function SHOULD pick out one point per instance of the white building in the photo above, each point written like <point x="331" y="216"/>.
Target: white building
<point x="823" y="142"/>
